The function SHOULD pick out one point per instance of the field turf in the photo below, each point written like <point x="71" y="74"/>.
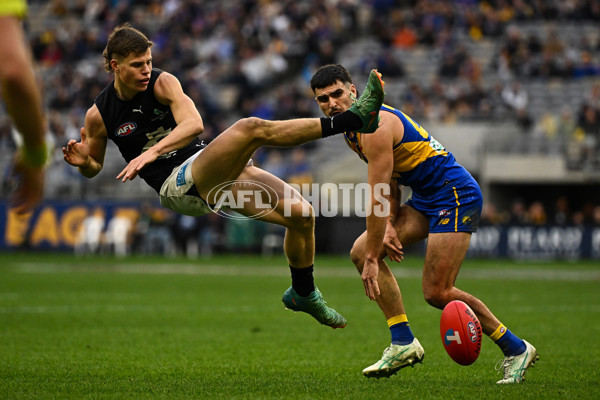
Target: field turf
<point x="160" y="328"/>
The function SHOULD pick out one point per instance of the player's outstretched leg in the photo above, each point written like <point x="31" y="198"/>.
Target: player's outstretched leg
<point x="395" y="358"/>
<point x="368" y="104"/>
<point x="514" y="367"/>
<point x="314" y="305"/>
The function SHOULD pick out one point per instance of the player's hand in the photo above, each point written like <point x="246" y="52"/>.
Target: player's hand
<point x="369" y="277"/>
<point x="77" y="153"/>
<point x="134" y="167"/>
<point x="392" y="244"/>
<point x="30" y="186"/>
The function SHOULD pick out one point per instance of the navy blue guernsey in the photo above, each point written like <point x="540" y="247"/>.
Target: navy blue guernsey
<point x="137" y="124"/>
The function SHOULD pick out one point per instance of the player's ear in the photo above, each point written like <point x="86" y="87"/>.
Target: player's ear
<point x="353" y="89"/>
<point x="114" y="64"/>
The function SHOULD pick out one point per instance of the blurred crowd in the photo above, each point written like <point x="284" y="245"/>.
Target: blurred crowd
<point x="253" y="51"/>
<point x="538" y="213"/>
<point x="237" y="58"/>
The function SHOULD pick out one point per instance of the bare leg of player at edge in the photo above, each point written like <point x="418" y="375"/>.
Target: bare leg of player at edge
<point x="234" y="147"/>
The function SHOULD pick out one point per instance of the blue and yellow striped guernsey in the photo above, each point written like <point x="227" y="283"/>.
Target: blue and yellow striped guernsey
<point x="420" y="161"/>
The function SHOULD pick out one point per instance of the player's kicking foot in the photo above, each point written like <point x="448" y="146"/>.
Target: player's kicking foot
<point x="314" y="305"/>
<point x="515" y="366"/>
<point x="395" y="358"/>
<point x="368" y="104"/>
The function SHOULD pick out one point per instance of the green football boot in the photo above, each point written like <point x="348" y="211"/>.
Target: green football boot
<point x="368" y="104"/>
<point x="314" y="305"/>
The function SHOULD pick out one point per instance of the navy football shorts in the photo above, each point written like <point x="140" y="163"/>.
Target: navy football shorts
<point x="456" y="207"/>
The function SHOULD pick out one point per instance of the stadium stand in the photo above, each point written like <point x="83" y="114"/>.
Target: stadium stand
<point x="523" y="75"/>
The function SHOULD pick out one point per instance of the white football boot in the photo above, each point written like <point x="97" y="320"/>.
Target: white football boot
<point x="394" y="358"/>
<point x="515" y="366"/>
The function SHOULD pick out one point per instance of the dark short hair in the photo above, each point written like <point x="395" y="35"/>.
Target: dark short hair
<point x="123" y="41"/>
<point x="328" y="74"/>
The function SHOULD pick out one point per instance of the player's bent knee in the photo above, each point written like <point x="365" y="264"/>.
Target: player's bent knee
<point x="436" y="297"/>
<point x="306" y="223"/>
<point x="303" y="221"/>
<point x="254" y="127"/>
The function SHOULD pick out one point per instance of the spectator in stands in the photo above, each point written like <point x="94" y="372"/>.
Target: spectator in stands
<point x="548" y="67"/>
<point x="553" y="44"/>
<point x="562" y="212"/>
<point x="592" y="98"/>
<point x="405" y="37"/>
<point x="586" y="67"/>
<point x="565" y="128"/>
<point x="153" y="230"/>
<point x="537" y="214"/>
<point x="587" y="215"/>
<point x="518" y="212"/>
<point x="588" y="211"/>
<point x="450" y="67"/>
<point x="185" y="230"/>
<point x="515" y="97"/>
<point x="384" y="62"/>
<point x="52" y="54"/>
<point x="89" y="236"/>
<point x="490" y="215"/>
<point x="589" y="125"/>
<point x="596" y="215"/>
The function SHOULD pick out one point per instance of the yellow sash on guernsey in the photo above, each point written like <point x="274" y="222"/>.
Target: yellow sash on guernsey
<point x="15" y="8"/>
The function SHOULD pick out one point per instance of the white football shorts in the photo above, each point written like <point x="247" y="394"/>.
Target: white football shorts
<point x="173" y="192"/>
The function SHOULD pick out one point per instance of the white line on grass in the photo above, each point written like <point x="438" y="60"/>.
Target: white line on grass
<point x="333" y="272"/>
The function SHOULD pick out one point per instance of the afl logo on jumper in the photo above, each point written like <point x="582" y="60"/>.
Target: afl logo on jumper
<point x="126" y="129"/>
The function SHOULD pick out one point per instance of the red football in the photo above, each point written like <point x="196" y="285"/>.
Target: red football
<point x="461" y="332"/>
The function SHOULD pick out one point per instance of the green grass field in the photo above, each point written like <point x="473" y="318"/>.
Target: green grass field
<point x="138" y="328"/>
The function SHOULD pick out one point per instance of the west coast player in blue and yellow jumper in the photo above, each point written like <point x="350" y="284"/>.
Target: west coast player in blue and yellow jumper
<point x="444" y="208"/>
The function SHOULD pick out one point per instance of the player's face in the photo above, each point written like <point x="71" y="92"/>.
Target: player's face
<point x="336" y="98"/>
<point x="134" y="71"/>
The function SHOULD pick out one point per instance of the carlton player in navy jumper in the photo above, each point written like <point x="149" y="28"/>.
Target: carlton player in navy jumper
<point x="444" y="209"/>
<point x="156" y="127"/>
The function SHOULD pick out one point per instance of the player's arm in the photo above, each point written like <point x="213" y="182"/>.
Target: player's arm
<point x="395" y="200"/>
<point x="88" y="154"/>
<point x="168" y="91"/>
<point x="391" y="242"/>
<point x="378" y="148"/>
